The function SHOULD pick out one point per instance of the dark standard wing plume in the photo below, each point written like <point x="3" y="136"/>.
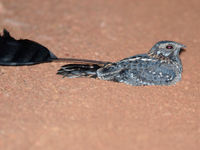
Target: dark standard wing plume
<point x="22" y="52"/>
<point x="26" y="52"/>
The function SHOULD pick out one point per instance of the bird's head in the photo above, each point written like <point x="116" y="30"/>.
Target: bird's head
<point x="166" y="49"/>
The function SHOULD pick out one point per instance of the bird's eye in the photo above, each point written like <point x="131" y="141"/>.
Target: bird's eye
<point x="169" y="47"/>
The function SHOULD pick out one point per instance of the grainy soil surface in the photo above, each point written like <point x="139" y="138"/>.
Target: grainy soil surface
<point x="40" y="110"/>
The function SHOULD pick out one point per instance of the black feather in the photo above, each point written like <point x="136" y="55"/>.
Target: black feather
<point x="22" y="52"/>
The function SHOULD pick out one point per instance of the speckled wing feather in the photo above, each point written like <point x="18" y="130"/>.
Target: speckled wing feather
<point x="138" y="70"/>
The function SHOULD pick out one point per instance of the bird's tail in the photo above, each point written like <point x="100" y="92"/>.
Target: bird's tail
<point x="79" y="70"/>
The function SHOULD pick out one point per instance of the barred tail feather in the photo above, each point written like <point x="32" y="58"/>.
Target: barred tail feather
<point x="79" y="70"/>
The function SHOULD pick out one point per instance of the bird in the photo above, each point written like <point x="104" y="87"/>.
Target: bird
<point x="161" y="65"/>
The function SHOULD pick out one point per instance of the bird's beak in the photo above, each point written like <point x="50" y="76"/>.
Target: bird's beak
<point x="182" y="46"/>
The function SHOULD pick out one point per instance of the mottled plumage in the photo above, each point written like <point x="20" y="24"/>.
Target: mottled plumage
<point x="160" y="66"/>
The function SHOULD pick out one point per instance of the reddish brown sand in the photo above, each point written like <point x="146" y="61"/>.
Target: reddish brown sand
<point x="40" y="110"/>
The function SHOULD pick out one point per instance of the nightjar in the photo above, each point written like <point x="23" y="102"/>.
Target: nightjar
<point x="160" y="66"/>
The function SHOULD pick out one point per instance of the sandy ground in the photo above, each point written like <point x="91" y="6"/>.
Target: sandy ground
<point x="41" y="110"/>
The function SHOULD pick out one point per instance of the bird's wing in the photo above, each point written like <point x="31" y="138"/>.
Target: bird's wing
<point x="148" y="71"/>
<point x="139" y="70"/>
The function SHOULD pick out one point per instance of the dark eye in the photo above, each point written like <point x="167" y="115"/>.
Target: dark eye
<point x="169" y="47"/>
